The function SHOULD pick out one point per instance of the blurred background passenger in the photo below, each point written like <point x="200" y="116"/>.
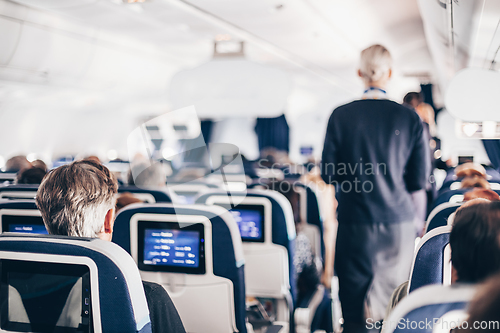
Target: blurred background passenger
<point x="145" y="174"/>
<point x="470" y="169"/>
<point x="40" y="165"/>
<point x="481" y="193"/>
<point x="474" y="243"/>
<point x="125" y="199"/>
<point x="31" y="176"/>
<point x="328" y="207"/>
<point x="475" y="181"/>
<point x="17" y="163"/>
<point x="484" y="308"/>
<point x="386" y="160"/>
<point x="412" y="99"/>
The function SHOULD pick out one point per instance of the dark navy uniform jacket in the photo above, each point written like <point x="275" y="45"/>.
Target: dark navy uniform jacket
<point x="375" y="153"/>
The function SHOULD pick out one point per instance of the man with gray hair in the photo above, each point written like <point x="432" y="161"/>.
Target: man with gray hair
<point x="78" y="199"/>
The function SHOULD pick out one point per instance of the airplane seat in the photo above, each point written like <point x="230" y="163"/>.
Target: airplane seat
<point x="20" y="216"/>
<point x="315" y="313"/>
<point x="18" y="191"/>
<point x="431" y="263"/>
<point x="146" y="195"/>
<point x="439" y="215"/>
<point x="454" y="196"/>
<point x="208" y="287"/>
<point x="91" y="285"/>
<point x="431" y="309"/>
<point x="7" y="177"/>
<point x="269" y="268"/>
<point x="311" y="214"/>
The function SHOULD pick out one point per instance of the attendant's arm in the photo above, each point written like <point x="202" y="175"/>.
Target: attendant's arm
<point x="328" y="158"/>
<point x="418" y="165"/>
<point x="330" y="225"/>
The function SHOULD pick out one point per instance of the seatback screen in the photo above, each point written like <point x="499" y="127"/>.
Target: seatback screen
<point x="24" y="224"/>
<point x="44" y="297"/>
<point x="170" y="247"/>
<point x="250" y="220"/>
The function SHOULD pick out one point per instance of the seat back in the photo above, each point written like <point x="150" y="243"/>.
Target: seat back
<point x="310" y="213"/>
<point x="146" y="195"/>
<point x="209" y="290"/>
<point x="88" y="280"/>
<point x="7" y="177"/>
<point x="439" y="215"/>
<point x="430" y="309"/>
<point x="269" y="268"/>
<point x="432" y="261"/>
<point x="21" y="216"/>
<point x="19" y="191"/>
<point x="455" y="196"/>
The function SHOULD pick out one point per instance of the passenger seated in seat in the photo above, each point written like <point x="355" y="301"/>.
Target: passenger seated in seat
<point x="475" y="181"/>
<point x="17" y="163"/>
<point x="474" y="243"/>
<point x="31" y="176"/>
<point x="143" y="174"/>
<point x="470" y="169"/>
<point x="484" y="308"/>
<point x="481" y="193"/>
<point x="77" y="199"/>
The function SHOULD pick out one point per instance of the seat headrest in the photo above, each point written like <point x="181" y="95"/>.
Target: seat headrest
<point x="158" y="194"/>
<point x="430" y="259"/>
<point x="439" y="215"/>
<point x="426" y="306"/>
<point x="115" y="279"/>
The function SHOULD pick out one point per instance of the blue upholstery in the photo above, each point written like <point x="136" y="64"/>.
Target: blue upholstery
<point x="115" y="293"/>
<point x="280" y="229"/>
<point x="420" y="310"/>
<point x="224" y="263"/>
<point x="159" y="196"/>
<point x="446" y="196"/>
<point x="429" y="259"/>
<point x="439" y="215"/>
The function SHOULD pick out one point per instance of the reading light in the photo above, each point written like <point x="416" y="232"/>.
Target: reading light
<point x="489" y="129"/>
<point x="112" y="154"/>
<point x="470" y="128"/>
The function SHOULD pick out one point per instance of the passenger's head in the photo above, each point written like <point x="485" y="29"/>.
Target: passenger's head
<point x="481" y="193"/>
<point x="425" y="112"/>
<point x="475" y="242"/>
<point x="39" y="164"/>
<point x="144" y="174"/>
<point x="470" y="169"/>
<point x="78" y="199"/>
<point x="413" y="99"/>
<point x="483" y="309"/>
<point x="17" y="163"/>
<point x="375" y="65"/>
<point x="475" y="182"/>
<point x="31" y="176"/>
<point x="126" y="199"/>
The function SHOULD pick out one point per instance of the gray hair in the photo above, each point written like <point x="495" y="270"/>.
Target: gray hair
<point x="143" y="174"/>
<point x="375" y="62"/>
<point x="75" y="198"/>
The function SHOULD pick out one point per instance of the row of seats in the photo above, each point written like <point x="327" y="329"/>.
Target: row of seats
<point x="268" y="259"/>
<point x="430" y="293"/>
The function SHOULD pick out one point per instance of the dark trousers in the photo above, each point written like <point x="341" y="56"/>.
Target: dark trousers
<point x="371" y="260"/>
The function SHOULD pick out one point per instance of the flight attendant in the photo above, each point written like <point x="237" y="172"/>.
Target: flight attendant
<point x="375" y="155"/>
